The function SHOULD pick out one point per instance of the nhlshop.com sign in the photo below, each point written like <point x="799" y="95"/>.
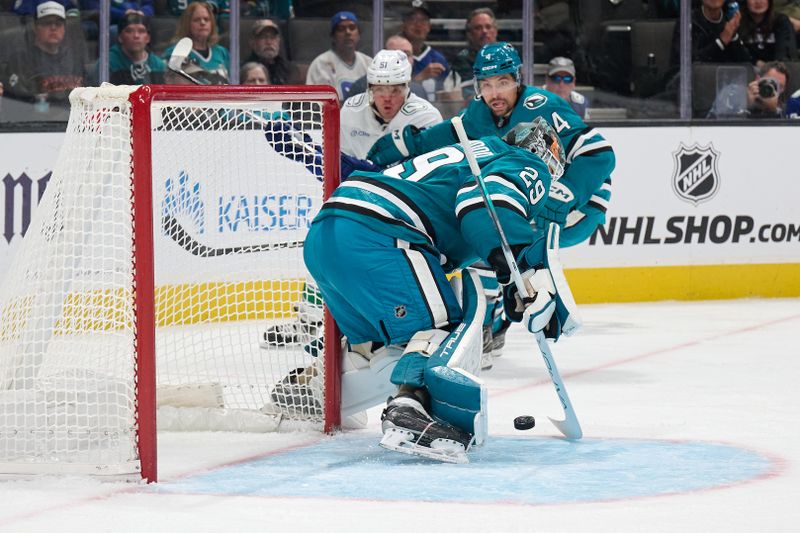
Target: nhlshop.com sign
<point x="697" y="196"/>
<point x="719" y="229"/>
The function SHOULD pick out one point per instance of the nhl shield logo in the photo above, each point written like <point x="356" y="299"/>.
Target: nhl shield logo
<point x="695" y="177"/>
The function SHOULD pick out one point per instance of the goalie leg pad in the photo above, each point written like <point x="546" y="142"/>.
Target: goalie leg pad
<point x="410" y="369"/>
<point x="367" y="385"/>
<point x="458" y="398"/>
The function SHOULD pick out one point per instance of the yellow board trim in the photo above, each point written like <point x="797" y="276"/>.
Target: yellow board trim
<point x="273" y="299"/>
<point x="697" y="282"/>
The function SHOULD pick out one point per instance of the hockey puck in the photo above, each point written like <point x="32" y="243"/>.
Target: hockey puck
<point x="524" y="422"/>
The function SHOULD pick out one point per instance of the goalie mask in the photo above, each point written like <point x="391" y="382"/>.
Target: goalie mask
<point x="388" y="68"/>
<point x="540" y="138"/>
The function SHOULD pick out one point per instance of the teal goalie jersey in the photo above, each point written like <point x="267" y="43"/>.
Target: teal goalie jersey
<point x="433" y="201"/>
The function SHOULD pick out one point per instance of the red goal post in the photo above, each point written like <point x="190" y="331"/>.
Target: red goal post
<point x="169" y="237"/>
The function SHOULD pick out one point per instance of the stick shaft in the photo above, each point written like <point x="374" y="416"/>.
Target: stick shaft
<point x="569" y="427"/>
<point x="516" y="277"/>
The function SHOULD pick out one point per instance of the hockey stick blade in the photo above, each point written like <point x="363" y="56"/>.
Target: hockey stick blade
<point x="569" y="427"/>
<point x="179" y="54"/>
<point x="175" y="231"/>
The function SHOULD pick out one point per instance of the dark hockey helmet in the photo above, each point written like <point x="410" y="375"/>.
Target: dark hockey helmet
<point x="540" y="138"/>
<point x="495" y="59"/>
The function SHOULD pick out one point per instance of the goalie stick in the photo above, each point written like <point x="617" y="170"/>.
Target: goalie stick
<point x="569" y="427"/>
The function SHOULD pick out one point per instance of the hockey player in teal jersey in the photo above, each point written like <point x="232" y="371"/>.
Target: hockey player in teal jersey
<point x="577" y="202"/>
<point x="379" y="250"/>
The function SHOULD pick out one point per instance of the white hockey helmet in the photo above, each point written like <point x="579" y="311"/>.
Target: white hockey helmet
<point x="389" y="67"/>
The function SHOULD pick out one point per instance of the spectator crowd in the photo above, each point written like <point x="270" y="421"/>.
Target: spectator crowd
<point x="51" y="46"/>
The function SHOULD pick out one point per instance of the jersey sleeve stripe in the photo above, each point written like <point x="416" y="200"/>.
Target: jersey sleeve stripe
<point x="499" y="201"/>
<point x="369" y="210"/>
<point x="467" y="205"/>
<point x="579" y="142"/>
<point x="503" y="200"/>
<point x="598" y="203"/>
<point x="493" y="178"/>
<point x="592" y="149"/>
<point x="398" y="199"/>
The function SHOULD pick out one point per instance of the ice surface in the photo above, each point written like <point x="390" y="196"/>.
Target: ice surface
<point x="691" y="419"/>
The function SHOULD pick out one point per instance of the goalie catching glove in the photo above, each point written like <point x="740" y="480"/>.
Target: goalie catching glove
<point x="548" y="305"/>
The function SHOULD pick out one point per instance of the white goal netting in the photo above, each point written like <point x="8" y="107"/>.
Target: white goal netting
<point x="235" y="184"/>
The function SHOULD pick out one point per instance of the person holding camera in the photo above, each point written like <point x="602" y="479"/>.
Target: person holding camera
<point x="765" y="96"/>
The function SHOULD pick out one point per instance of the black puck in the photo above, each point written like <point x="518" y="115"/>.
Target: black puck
<point x="524" y="422"/>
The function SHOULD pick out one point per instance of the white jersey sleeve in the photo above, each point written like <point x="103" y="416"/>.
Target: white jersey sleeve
<point x="360" y="127"/>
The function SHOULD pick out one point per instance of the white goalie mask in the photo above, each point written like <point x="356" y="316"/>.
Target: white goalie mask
<point x="540" y="138"/>
<point x="389" y="67"/>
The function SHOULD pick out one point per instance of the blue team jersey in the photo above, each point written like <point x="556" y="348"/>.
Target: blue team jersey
<point x="433" y="201"/>
<point x="589" y="158"/>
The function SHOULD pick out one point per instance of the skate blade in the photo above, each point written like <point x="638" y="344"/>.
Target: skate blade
<point x="399" y="440"/>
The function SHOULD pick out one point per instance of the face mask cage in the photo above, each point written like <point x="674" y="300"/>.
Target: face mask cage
<point x="539" y="138"/>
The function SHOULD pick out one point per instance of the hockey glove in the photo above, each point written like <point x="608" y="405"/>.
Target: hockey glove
<point x="351" y="164"/>
<point x="548" y="305"/>
<point x="394" y="146"/>
<point x="559" y="203"/>
<point x="295" y="145"/>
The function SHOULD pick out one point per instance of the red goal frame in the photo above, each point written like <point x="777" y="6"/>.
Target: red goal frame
<point x="142" y="221"/>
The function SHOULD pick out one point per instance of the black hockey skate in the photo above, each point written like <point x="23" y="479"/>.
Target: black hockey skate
<point x="487" y="358"/>
<point x="407" y="428"/>
<point x="302" y="330"/>
<point x="499" y="338"/>
<point x="295" y="393"/>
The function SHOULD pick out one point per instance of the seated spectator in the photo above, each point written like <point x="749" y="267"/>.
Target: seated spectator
<point x="28" y="7"/>
<point x="129" y="61"/>
<point x="90" y="13"/>
<point x="768" y="36"/>
<point x="715" y="36"/>
<point x="220" y="9"/>
<point x="792" y="105"/>
<point x="46" y="70"/>
<point x="560" y="79"/>
<point x="481" y="29"/>
<point x="254" y="73"/>
<point x="395" y="42"/>
<point x="790" y="8"/>
<point x="765" y="96"/>
<point x="430" y="66"/>
<point x="265" y="46"/>
<point x="342" y="65"/>
<point x="197" y="22"/>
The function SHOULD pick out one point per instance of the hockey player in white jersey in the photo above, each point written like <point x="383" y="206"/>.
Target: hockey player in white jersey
<point x="387" y="105"/>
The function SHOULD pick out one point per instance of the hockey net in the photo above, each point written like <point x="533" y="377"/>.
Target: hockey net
<point x="169" y="237"/>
